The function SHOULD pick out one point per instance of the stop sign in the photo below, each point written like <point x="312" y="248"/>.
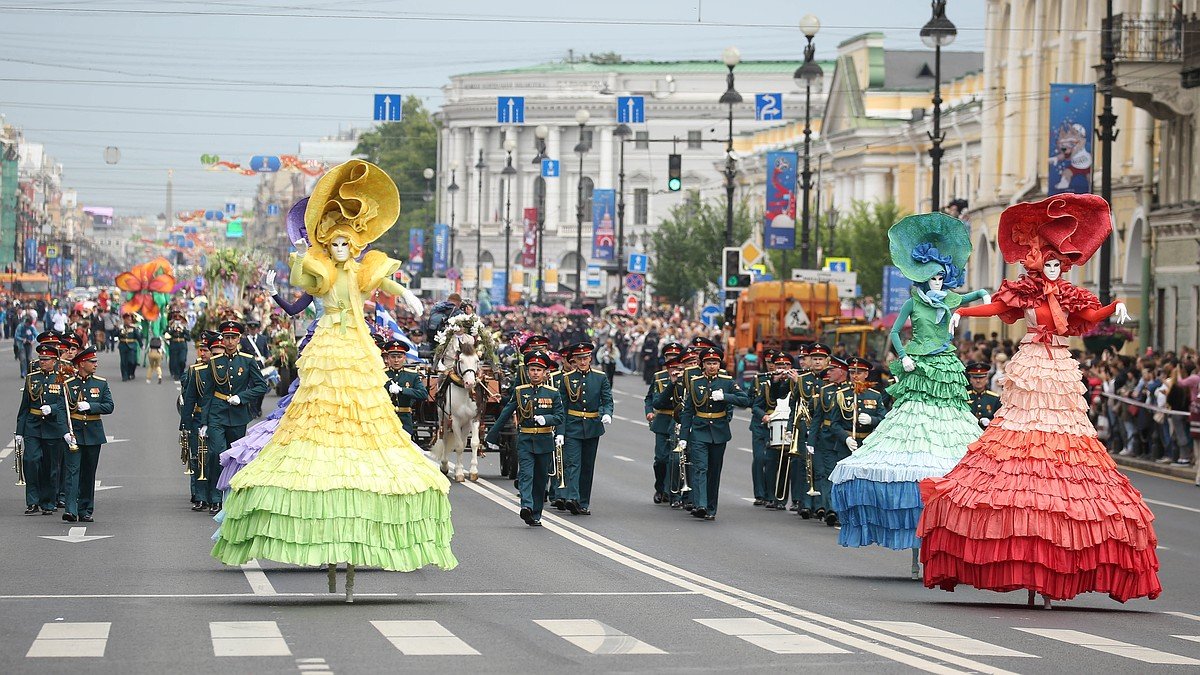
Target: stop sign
<point x="631" y="305"/>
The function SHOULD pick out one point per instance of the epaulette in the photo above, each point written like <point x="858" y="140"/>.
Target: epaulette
<point x="989" y="391"/>
<point x="524" y="386"/>
<point x="246" y="354"/>
<point x="200" y="366"/>
<point x="95" y="377"/>
<point x="724" y="376"/>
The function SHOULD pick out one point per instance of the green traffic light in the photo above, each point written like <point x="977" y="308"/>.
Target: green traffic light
<point x="674" y="184"/>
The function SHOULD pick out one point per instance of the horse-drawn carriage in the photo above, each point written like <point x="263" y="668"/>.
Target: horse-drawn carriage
<point x="491" y="389"/>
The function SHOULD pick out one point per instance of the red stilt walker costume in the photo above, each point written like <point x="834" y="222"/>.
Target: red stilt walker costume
<point x="1037" y="503"/>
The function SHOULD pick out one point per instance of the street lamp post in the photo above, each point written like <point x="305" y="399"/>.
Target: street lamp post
<point x="480" y="167"/>
<point x="540" y="134"/>
<point x="453" y="190"/>
<point x="428" y="173"/>
<point x="508" y="172"/>
<point x="581" y="148"/>
<point x="731" y="56"/>
<point x="1108" y="134"/>
<point x="937" y="33"/>
<point x="807" y="74"/>
<point x="622" y="132"/>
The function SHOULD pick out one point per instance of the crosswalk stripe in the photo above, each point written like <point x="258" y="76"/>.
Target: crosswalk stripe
<point x="70" y="640"/>
<point x="1193" y="638"/>
<point x="1184" y="615"/>
<point x="1109" y="646"/>
<point x="247" y="638"/>
<point x="423" y="638"/>
<point x="595" y="637"/>
<point x="771" y="637"/>
<point x="944" y="639"/>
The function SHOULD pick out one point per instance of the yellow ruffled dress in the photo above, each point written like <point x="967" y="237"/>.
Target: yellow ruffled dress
<point x="340" y="481"/>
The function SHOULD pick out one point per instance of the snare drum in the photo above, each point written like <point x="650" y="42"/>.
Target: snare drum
<point x="778" y="432"/>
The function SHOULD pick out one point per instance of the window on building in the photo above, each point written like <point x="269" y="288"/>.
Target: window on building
<point x="588" y="187"/>
<point x="641" y="206"/>
<point x="641" y="140"/>
<point x="585" y="136"/>
<point x="694" y="140"/>
<point x="501" y="137"/>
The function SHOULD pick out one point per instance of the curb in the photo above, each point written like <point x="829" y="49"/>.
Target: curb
<point x="1184" y="472"/>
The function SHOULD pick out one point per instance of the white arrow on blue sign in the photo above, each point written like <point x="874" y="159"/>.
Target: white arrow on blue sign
<point x="510" y="109"/>
<point x="387" y="107"/>
<point x="230" y="207"/>
<point x="631" y="109"/>
<point x="768" y="106"/>
<point x="638" y="263"/>
<point x="549" y="168"/>
<point x="272" y="209"/>
<point x="709" y="314"/>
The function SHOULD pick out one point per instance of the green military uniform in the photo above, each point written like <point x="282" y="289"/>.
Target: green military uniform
<point x="833" y="423"/>
<point x="412" y="391"/>
<point x="763" y="395"/>
<point x="88" y="428"/>
<point x="225" y="377"/>
<point x="129" y="339"/>
<point x="43" y="438"/>
<point x="663" y="425"/>
<point x="191" y="394"/>
<point x="535" y="441"/>
<point x="807" y="389"/>
<point x="177" y="348"/>
<point x="984" y="404"/>
<point x="704" y="424"/>
<point x="588" y="401"/>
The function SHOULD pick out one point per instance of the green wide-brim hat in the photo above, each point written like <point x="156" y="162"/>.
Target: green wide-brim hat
<point x="933" y="236"/>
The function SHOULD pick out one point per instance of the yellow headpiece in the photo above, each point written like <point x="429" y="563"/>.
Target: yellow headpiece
<point x="356" y="200"/>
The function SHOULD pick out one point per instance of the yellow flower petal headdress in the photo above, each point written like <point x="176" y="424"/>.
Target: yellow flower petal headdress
<point x="356" y="200"/>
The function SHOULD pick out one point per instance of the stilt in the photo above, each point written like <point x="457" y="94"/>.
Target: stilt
<point x="332" y="576"/>
<point x="1045" y="599"/>
<point x="1031" y="597"/>
<point x="349" y="583"/>
<point x="916" y="562"/>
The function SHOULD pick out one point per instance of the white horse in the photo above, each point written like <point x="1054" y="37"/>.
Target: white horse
<point x="458" y="414"/>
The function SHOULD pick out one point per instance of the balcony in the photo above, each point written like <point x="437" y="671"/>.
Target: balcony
<point x="1148" y="59"/>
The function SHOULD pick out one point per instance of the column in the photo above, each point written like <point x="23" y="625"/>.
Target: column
<point x="874" y="184"/>
<point x="458" y="154"/>
<point x="1011" y="81"/>
<point x="606" y="180"/>
<point x="479" y="136"/>
<point x="554" y="185"/>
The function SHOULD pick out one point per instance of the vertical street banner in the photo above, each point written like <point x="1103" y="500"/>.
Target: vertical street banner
<point x="779" y="217"/>
<point x="31" y="254"/>
<point x="529" y="243"/>
<point x="604" y="235"/>
<point x="441" y="248"/>
<point x="895" y="289"/>
<point x="1072" y="111"/>
<point x="499" y="289"/>
<point x="416" y="250"/>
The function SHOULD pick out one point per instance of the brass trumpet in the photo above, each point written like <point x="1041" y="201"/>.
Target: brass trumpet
<point x="202" y="456"/>
<point x="185" y="453"/>
<point x="683" y="465"/>
<point x="20" y="459"/>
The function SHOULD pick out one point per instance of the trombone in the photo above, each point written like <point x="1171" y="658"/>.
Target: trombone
<point x="683" y="464"/>
<point x="20" y="459"/>
<point x="556" y="467"/>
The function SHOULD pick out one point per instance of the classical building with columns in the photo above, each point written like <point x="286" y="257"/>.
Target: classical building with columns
<point x="682" y="114"/>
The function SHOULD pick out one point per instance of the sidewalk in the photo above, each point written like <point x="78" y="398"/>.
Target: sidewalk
<point x="1185" y="472"/>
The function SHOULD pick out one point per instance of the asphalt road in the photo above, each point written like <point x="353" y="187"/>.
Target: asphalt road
<point x="634" y="587"/>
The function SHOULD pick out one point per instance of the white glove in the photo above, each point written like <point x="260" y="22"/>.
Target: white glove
<point x="491" y="445"/>
<point x="45" y="409"/>
<point x="606" y="420"/>
<point x="984" y="422"/>
<point x="235" y="400"/>
<point x="811" y="450"/>
<point x="1122" y="313"/>
<point x="864" y="418"/>
<point x="83" y="406"/>
<point x="718" y="394"/>
<point x="559" y="440"/>
<point x="18" y="439"/>
<point x="954" y="319"/>
<point x="987" y="298"/>
<point x="851" y="443"/>
<point x="301" y="246"/>
<point x="908" y="364"/>
<point x="682" y="446"/>
<point x="203" y="432"/>
<point x="412" y="301"/>
<point x="394" y="388"/>
<point x="540" y="419"/>
<point x="269" y="283"/>
<point x="69" y="438"/>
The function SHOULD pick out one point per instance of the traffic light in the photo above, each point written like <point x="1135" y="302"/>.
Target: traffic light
<point x="674" y="172"/>
<point x="731" y="269"/>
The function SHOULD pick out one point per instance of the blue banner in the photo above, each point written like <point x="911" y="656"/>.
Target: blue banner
<point x="895" y="289"/>
<point x="416" y="250"/>
<point x="499" y="289"/>
<point x="604" y="235"/>
<point x="779" y="218"/>
<point x="441" y="248"/>
<point x="1072" y="111"/>
<point x="31" y="254"/>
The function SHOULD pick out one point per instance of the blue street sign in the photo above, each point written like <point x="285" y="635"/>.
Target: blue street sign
<point x="549" y="168"/>
<point x="635" y="282"/>
<point x="265" y="163"/>
<point x="230" y="207"/>
<point x="631" y="109"/>
<point x="388" y="107"/>
<point x="709" y="314"/>
<point x="510" y="109"/>
<point x="272" y="209"/>
<point x="214" y="215"/>
<point x="638" y="263"/>
<point x="768" y="106"/>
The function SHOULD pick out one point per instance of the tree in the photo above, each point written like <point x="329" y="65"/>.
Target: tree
<point x="688" y="243"/>
<point x="861" y="234"/>
<point x="404" y="150"/>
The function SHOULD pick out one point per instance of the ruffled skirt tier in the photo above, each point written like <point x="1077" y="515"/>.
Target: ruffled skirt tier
<point x="339" y="480"/>
<point x="875" y="491"/>
<point x="1037" y="503"/>
<point x="245" y="449"/>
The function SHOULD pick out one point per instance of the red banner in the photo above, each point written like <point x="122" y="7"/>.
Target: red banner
<point x="529" y="246"/>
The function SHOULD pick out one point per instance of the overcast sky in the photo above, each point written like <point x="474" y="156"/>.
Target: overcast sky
<point x="169" y="80"/>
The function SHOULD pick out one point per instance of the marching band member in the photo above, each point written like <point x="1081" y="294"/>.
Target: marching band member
<point x="89" y="398"/>
<point x="177" y="344"/>
<point x="825" y="439"/>
<point x="42" y="429"/>
<point x="763" y="395"/>
<point x="589" y="406"/>
<point x="539" y="411"/>
<point x="806" y="386"/>
<point x="704" y="428"/>
<point x="984" y="401"/>
<point x="405" y="385"/>
<point x="784" y="384"/>
<point x="662" y="422"/>
<point x="129" y="339"/>
<point x="190" y="395"/>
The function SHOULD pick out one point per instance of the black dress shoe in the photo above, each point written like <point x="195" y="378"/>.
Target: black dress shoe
<point x="560" y="504"/>
<point x="688" y="507"/>
<point x="699" y="512"/>
<point x="199" y="506"/>
<point x="527" y="515"/>
<point x="60" y="504"/>
<point x="820" y="513"/>
<point x="535" y="523"/>
<point x="573" y="507"/>
<point x="759" y="502"/>
<point x="32" y="510"/>
<point x="794" y="507"/>
<point x="805" y="513"/>
<point x="48" y="512"/>
<point x="70" y="517"/>
<point x="710" y="517"/>
<point x="214" y="509"/>
<point x="831" y="519"/>
<point x="86" y="519"/>
<point x="658" y="497"/>
<point x="676" y="505"/>
<point x="584" y="512"/>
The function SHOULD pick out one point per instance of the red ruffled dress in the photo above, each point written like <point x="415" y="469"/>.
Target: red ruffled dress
<point x="1037" y="503"/>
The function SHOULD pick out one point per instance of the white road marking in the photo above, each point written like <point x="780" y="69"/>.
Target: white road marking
<point x="1193" y="638"/>
<point x="188" y="596"/>
<point x="747" y="499"/>
<point x="1184" y="615"/>
<point x="423" y="638"/>
<point x="248" y="638"/>
<point x="623" y="458"/>
<point x="834" y="630"/>
<point x="106" y="487"/>
<point x="259" y="583"/>
<point x="70" y="640"/>
<point x="622" y="418"/>
<point x="76" y="535"/>
<point x="8" y="450"/>
<point x="1174" y="506"/>
<point x="944" y="639"/>
<point x="595" y="637"/>
<point x="1109" y="646"/>
<point x="114" y="439"/>
<point x="771" y="637"/>
<point x="750" y="450"/>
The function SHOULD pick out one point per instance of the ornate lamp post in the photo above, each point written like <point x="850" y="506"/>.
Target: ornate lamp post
<point x="731" y="56"/>
<point x="937" y="33"/>
<point x="539" y="135"/>
<point x="581" y="148"/>
<point x="808" y="74"/>
<point x="452" y="188"/>
<point x="508" y="172"/>
<point x="480" y="167"/>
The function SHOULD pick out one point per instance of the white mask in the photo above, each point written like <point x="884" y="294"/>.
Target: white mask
<point x="936" y="282"/>
<point x="339" y="248"/>
<point x="1052" y="270"/>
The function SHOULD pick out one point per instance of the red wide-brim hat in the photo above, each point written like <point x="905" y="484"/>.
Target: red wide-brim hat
<point x="1070" y="226"/>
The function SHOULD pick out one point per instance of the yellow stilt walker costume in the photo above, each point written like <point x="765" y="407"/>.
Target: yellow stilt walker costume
<point x="340" y="481"/>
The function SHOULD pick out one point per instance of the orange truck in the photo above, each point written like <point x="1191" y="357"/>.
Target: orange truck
<point x="26" y="286"/>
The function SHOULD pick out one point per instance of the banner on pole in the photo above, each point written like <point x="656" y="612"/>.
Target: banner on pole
<point x="529" y="245"/>
<point x="441" y="248"/>
<point x="499" y="288"/>
<point x="779" y="217"/>
<point x="895" y="289"/>
<point x="416" y="250"/>
<point x="604" y="236"/>
<point x="1072" y="111"/>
